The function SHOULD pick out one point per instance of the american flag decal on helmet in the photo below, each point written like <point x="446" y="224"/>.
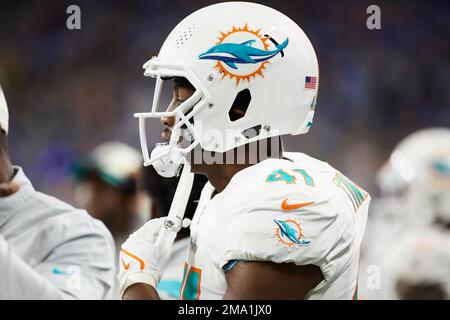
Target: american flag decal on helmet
<point x="310" y="82"/>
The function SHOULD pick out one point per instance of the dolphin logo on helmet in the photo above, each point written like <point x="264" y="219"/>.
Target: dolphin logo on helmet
<point x="241" y="53"/>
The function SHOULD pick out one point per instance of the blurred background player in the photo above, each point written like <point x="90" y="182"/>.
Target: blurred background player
<point x="48" y="249"/>
<point x="414" y="199"/>
<point x="106" y="185"/>
<point x="417" y="265"/>
<point x="161" y="191"/>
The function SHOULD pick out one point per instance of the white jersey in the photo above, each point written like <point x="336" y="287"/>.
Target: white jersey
<point x="297" y="210"/>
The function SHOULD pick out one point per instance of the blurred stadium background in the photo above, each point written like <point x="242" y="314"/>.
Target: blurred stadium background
<point x="68" y="91"/>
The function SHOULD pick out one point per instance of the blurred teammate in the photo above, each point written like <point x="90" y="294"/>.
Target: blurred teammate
<point x="161" y="191"/>
<point x="269" y="225"/>
<point x="48" y="249"/>
<point x="416" y="266"/>
<point x="106" y="186"/>
<point x="415" y="199"/>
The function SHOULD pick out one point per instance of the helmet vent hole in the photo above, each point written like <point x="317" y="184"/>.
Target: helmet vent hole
<point x="185" y="35"/>
<point x="240" y="105"/>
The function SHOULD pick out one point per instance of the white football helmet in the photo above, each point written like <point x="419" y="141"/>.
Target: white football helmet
<point x="3" y="112"/>
<point x="417" y="176"/>
<point x="115" y="161"/>
<point x="225" y="50"/>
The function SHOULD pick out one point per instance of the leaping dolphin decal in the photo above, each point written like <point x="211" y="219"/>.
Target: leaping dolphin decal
<point x="287" y="231"/>
<point x="232" y="53"/>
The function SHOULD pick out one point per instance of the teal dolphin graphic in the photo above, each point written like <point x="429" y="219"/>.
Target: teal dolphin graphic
<point x="233" y="53"/>
<point x="287" y="231"/>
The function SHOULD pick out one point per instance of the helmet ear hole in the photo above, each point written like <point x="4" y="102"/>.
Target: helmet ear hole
<point x="240" y="105"/>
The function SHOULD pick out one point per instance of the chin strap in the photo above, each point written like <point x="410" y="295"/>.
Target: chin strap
<point x="166" y="161"/>
<point x="175" y="217"/>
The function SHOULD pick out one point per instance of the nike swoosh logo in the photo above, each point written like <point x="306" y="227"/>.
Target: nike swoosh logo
<point x="129" y="254"/>
<point x="126" y="265"/>
<point x="286" y="206"/>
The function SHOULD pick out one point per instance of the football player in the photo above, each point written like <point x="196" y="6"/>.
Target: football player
<point x="416" y="265"/>
<point x="106" y="185"/>
<point x="48" y="249"/>
<point x="415" y="195"/>
<point x="269" y="224"/>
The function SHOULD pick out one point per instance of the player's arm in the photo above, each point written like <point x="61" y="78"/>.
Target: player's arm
<point x="82" y="265"/>
<point x="253" y="280"/>
<point x="268" y="280"/>
<point x="20" y="281"/>
<point x="71" y="270"/>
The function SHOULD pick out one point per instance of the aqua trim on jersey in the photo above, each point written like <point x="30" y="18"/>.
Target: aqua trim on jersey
<point x="355" y="194"/>
<point x="192" y="277"/>
<point x="170" y="287"/>
<point x="229" y="265"/>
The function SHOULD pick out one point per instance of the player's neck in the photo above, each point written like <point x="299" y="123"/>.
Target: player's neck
<point x="220" y="175"/>
<point x="7" y="187"/>
<point x="6" y="169"/>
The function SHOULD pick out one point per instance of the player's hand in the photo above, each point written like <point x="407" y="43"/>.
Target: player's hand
<point x="145" y="254"/>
